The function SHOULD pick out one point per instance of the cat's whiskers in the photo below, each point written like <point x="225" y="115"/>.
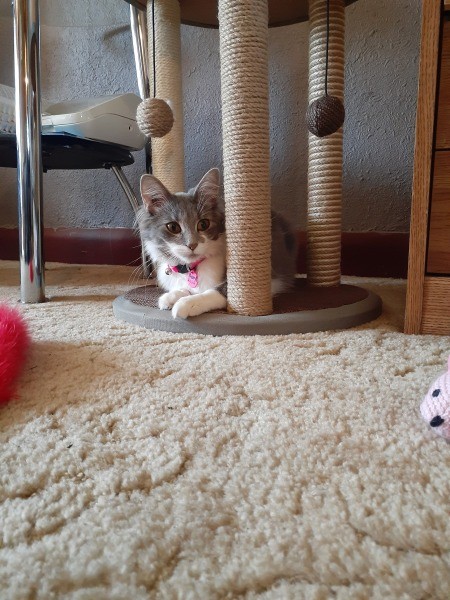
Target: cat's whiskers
<point x="134" y="276"/>
<point x="138" y="272"/>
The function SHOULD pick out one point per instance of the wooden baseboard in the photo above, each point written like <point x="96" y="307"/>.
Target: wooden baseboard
<point x="367" y="254"/>
<point x="91" y="246"/>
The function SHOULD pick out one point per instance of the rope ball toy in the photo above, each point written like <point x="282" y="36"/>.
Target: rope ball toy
<point x="326" y="114"/>
<point x="154" y="116"/>
<point x="14" y="344"/>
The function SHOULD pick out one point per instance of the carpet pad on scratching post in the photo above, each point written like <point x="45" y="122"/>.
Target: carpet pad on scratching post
<point x="301" y="310"/>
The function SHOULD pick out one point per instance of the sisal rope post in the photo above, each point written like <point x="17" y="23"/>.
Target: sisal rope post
<point x="168" y="151"/>
<point x="325" y="154"/>
<point x="243" y="27"/>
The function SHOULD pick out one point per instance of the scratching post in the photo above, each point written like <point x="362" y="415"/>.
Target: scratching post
<point x="325" y="154"/>
<point x="168" y="151"/>
<point x="320" y="302"/>
<point x="245" y="127"/>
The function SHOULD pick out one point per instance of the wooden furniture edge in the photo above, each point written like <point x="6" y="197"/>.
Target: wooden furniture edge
<point x="438" y="249"/>
<point x="194" y="13"/>
<point x="141" y="4"/>
<point x="425" y="117"/>
<point x="436" y="306"/>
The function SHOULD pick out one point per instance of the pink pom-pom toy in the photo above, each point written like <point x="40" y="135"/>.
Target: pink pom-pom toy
<point x="14" y="343"/>
<point x="435" y="407"/>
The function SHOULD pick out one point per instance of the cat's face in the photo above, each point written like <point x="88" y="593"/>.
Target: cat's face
<point x="182" y="227"/>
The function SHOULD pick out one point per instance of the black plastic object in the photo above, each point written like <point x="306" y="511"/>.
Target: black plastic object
<point x="68" y="152"/>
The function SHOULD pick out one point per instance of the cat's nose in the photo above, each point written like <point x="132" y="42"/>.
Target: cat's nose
<point x="436" y="421"/>
<point x="192" y="246"/>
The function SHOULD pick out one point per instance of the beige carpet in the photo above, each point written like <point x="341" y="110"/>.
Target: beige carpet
<point x="138" y="464"/>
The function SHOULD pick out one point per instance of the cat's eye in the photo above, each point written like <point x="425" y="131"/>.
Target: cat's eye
<point x="203" y="225"/>
<point x="436" y="393"/>
<point x="173" y="227"/>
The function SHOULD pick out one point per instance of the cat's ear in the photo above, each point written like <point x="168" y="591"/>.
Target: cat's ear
<point x="207" y="191"/>
<point x="154" y="194"/>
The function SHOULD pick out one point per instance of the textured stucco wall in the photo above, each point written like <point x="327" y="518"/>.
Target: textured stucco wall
<point x="87" y="53"/>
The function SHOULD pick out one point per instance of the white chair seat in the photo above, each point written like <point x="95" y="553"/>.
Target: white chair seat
<point x="108" y="119"/>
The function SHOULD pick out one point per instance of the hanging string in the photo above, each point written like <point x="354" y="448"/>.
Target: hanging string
<point x="326" y="114"/>
<point x="154" y="48"/>
<point x="328" y="41"/>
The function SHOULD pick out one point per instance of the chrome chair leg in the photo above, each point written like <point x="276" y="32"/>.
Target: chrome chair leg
<point x="29" y="156"/>
<point x="132" y="199"/>
<point x="140" y="47"/>
<point x="141" y="60"/>
<point x="125" y="185"/>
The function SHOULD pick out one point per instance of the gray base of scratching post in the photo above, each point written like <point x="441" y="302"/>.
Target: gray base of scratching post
<point x="301" y="311"/>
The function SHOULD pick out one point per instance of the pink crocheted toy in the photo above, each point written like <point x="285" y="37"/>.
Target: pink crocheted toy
<point x="435" y="407"/>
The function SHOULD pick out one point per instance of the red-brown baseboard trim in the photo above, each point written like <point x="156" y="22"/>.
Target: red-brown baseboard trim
<point x="91" y="246"/>
<point x="367" y="254"/>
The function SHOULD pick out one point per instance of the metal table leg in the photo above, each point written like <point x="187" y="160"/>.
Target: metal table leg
<point x="29" y="157"/>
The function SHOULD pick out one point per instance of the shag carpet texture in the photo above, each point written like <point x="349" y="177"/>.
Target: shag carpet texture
<point x="141" y="465"/>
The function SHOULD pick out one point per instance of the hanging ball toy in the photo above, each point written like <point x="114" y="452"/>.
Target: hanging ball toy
<point x="325" y="115"/>
<point x="154" y="117"/>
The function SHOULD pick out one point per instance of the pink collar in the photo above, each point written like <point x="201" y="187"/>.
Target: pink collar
<point x="190" y="270"/>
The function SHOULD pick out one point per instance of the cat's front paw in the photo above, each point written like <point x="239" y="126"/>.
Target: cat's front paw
<point x="169" y="299"/>
<point x="197" y="304"/>
<point x="187" y="307"/>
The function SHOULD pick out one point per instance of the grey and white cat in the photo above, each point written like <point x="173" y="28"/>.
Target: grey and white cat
<point x="184" y="235"/>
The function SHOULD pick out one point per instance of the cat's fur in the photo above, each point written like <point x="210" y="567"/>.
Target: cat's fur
<point x="191" y="212"/>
